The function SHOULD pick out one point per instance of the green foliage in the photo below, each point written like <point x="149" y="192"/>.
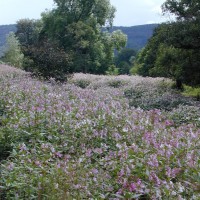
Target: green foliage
<point x="4" y="31"/>
<point x="173" y="51"/>
<point x="123" y="67"/>
<point x="72" y="28"/>
<point x="124" y="60"/>
<point x="163" y="57"/>
<point x="112" y="70"/>
<point x="160" y="97"/>
<point x="82" y="83"/>
<point x="116" y="83"/>
<point x="185" y="115"/>
<point x="77" y="28"/>
<point x="191" y="91"/>
<point x="125" y="55"/>
<point x="168" y="63"/>
<point x="50" y="61"/>
<point x="146" y="58"/>
<point x="43" y="57"/>
<point x="13" y="54"/>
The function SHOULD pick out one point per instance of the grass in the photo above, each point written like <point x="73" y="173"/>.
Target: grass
<point x="192" y="92"/>
<point x="97" y="137"/>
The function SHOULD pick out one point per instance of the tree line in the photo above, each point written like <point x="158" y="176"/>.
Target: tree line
<point x="174" y="49"/>
<point x="69" y="39"/>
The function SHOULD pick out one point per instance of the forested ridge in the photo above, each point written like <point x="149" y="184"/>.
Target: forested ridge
<point x="68" y="39"/>
<point x="137" y="35"/>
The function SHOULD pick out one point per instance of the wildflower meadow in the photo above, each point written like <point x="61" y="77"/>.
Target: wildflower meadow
<point x="97" y="137"/>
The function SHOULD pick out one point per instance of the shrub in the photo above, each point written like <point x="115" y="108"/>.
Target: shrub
<point x="185" y="115"/>
<point x="46" y="59"/>
<point x="82" y="83"/>
<point x="192" y="92"/>
<point x="13" y="54"/>
<point x="116" y="83"/>
<point x="157" y="98"/>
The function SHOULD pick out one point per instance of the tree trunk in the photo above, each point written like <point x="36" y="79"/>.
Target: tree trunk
<point x="179" y="84"/>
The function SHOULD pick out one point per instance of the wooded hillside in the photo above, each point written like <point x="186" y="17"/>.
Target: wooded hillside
<point x="137" y="35"/>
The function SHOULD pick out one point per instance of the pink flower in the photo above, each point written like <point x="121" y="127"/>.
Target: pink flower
<point x="153" y="162"/>
<point x="38" y="163"/>
<point x="121" y="173"/>
<point x="176" y="171"/>
<point x="58" y="154"/>
<point x="132" y="187"/>
<point x="10" y="166"/>
<point x="168" y="123"/>
<point x="89" y="153"/>
<point x="120" y="191"/>
<point x="95" y="171"/>
<point x="153" y="177"/>
<point x="23" y="147"/>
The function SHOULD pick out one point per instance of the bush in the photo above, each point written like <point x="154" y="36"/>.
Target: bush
<point x="82" y="83"/>
<point x="185" y="115"/>
<point x="116" y="83"/>
<point x="13" y="54"/>
<point x="49" y="61"/>
<point x="192" y="92"/>
<point x="157" y="98"/>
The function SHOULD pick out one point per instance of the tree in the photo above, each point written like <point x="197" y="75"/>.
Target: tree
<point x="124" y="60"/>
<point x="28" y="31"/>
<point x="185" y="35"/>
<point x="174" y="49"/>
<point x="76" y="26"/>
<point x="13" y="54"/>
<point x="73" y="28"/>
<point x="184" y="10"/>
<point x="43" y="57"/>
<point x="146" y="58"/>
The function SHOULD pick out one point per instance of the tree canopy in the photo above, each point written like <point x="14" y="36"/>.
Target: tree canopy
<point x="124" y="60"/>
<point x="174" y="49"/>
<point x="73" y="27"/>
<point x="13" y="54"/>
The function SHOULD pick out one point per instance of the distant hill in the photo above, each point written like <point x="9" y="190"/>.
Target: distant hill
<point x="137" y="35"/>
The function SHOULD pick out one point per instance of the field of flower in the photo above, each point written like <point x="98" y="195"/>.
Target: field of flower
<point x="97" y="137"/>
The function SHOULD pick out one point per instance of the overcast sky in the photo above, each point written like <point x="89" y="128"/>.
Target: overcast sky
<point x="129" y="12"/>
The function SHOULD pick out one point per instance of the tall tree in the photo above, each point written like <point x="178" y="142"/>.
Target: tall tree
<point x="185" y="35"/>
<point x="77" y="26"/>
<point x="42" y="56"/>
<point x="174" y="49"/>
<point x="185" y="31"/>
<point x="13" y="54"/>
<point x="124" y="60"/>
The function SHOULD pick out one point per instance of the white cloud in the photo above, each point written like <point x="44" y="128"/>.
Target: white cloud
<point x="157" y="9"/>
